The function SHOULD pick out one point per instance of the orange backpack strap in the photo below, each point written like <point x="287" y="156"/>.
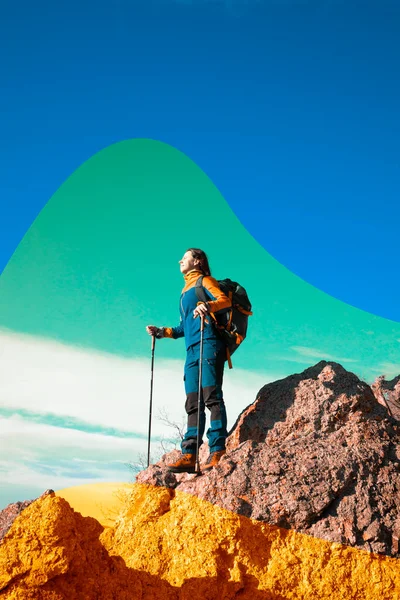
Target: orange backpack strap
<point x="228" y="357"/>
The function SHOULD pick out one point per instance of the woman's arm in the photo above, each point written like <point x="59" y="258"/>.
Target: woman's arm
<point x="174" y="332"/>
<point x="169" y="332"/>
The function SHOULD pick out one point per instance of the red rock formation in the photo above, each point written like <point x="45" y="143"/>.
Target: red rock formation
<point x="388" y="394"/>
<point x="315" y="453"/>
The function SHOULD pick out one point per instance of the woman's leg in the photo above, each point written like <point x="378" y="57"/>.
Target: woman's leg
<point x="214" y="354"/>
<point x="191" y="378"/>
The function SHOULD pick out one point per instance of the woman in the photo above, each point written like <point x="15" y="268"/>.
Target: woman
<point x="193" y="265"/>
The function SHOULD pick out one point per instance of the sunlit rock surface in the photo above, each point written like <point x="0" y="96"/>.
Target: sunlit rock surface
<point x="174" y="546"/>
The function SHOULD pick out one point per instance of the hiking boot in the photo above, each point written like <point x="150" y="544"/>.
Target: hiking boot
<point x="213" y="459"/>
<point x="185" y="464"/>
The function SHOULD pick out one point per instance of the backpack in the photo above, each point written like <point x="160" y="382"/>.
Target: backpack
<point x="230" y="323"/>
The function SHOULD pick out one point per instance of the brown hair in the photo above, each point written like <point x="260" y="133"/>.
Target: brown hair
<point x="201" y="256"/>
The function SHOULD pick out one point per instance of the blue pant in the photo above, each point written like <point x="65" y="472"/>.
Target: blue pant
<point x="214" y="352"/>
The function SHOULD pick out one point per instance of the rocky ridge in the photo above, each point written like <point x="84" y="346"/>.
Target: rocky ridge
<point x="168" y="545"/>
<point x="52" y="552"/>
<point x="317" y="453"/>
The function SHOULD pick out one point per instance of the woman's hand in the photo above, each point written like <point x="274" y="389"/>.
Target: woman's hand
<point x="158" y="332"/>
<point x="200" y="310"/>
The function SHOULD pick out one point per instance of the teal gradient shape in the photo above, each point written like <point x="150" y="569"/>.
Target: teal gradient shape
<point x="100" y="262"/>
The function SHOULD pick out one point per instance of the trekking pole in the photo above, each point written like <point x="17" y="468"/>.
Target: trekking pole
<point x="153" y="343"/>
<point x="200" y="393"/>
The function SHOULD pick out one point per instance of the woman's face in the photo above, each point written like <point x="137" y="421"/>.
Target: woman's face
<point x="187" y="262"/>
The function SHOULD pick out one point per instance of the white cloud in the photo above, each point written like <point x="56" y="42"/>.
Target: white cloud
<point x="53" y="457"/>
<point x="388" y="369"/>
<point x="21" y="436"/>
<point x="31" y="475"/>
<point x="318" y="354"/>
<point x="54" y="397"/>
<point x="44" y="376"/>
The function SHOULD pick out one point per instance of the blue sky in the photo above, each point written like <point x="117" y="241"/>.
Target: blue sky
<point x="290" y="107"/>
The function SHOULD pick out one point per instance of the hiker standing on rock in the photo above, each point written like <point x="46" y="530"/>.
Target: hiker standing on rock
<point x="193" y="265"/>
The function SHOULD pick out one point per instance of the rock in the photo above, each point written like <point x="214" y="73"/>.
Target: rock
<point x="388" y="394"/>
<point x="168" y="545"/>
<point x="9" y="514"/>
<point x="315" y="453"/>
<point x="52" y="552"/>
<point x="207" y="552"/>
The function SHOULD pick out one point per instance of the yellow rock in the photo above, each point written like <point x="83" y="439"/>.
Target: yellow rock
<point x="192" y="545"/>
<point x="173" y="546"/>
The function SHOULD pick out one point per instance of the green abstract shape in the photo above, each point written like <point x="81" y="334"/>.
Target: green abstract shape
<point x="101" y="261"/>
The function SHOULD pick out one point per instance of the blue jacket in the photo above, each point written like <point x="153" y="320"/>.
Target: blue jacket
<point x="188" y="325"/>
